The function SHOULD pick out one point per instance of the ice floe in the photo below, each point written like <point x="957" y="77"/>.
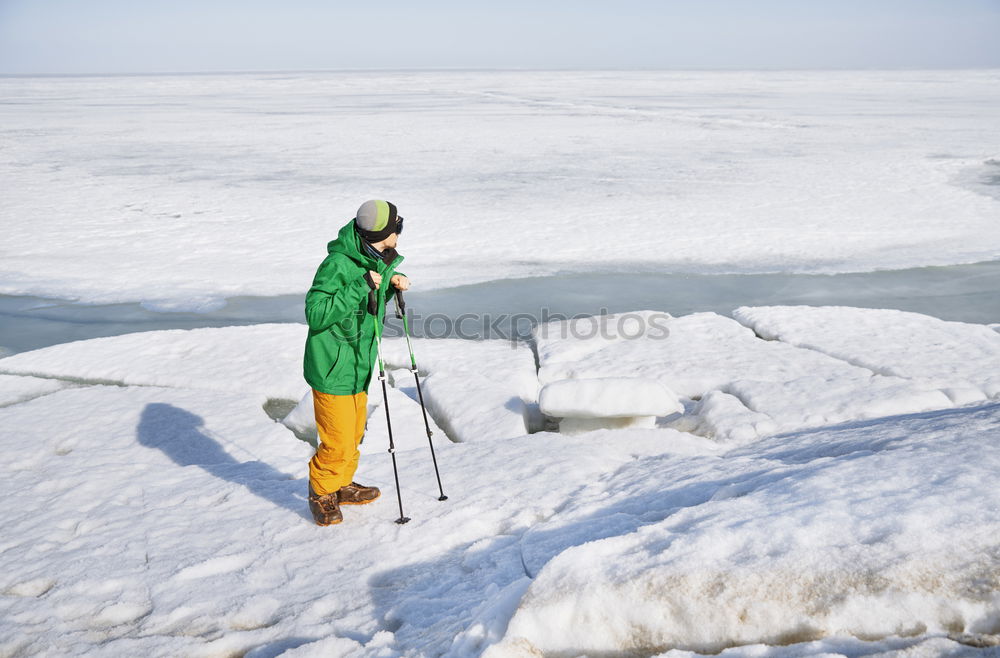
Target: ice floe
<point x="154" y="506"/>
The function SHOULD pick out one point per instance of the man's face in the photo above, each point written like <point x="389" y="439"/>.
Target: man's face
<point x="392" y="240"/>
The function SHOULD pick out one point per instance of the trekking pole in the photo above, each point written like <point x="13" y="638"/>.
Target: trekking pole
<point x="401" y="314"/>
<point x="388" y="423"/>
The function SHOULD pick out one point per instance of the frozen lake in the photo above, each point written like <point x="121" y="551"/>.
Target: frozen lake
<point x="861" y="444"/>
<point x="966" y="293"/>
<point x="181" y="191"/>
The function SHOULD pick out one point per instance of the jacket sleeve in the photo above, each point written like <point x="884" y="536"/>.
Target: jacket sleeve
<point x="332" y="298"/>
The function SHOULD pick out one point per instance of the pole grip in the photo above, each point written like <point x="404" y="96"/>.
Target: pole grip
<point x="400" y="304"/>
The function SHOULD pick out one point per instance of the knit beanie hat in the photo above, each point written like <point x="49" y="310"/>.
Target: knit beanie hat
<point x="376" y="220"/>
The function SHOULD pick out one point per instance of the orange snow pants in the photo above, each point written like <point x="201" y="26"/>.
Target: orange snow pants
<point x="340" y="420"/>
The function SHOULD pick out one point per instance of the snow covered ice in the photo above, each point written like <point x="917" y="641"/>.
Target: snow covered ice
<point x="708" y="356"/>
<point x="606" y="403"/>
<point x="957" y="357"/>
<point x="214" y="175"/>
<point x="185" y="530"/>
<point x="779" y="482"/>
<point x="804" y="536"/>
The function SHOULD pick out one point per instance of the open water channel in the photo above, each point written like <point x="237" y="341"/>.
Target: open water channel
<point x="508" y="307"/>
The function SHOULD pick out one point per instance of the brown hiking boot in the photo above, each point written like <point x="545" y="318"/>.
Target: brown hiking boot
<point x="357" y="494"/>
<point x="325" y="509"/>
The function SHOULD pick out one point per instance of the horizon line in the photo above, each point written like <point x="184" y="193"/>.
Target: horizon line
<point x="526" y="69"/>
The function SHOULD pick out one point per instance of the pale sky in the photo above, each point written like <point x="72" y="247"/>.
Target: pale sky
<point x="147" y="36"/>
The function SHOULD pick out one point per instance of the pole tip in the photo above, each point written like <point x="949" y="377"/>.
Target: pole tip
<point x="443" y="498"/>
<point x="403" y="519"/>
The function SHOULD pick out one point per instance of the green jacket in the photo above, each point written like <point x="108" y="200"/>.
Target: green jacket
<point x="340" y="349"/>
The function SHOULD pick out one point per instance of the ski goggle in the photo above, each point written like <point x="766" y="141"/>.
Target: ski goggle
<point x="399" y="225"/>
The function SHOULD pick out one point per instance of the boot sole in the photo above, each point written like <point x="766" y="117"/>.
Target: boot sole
<point x="323" y="525"/>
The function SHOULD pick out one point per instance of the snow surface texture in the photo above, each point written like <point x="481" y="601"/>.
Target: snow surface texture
<point x="583" y="405"/>
<point x="607" y="397"/>
<point x="961" y="359"/>
<point x="153" y="510"/>
<point x="263" y="363"/>
<point x="19" y="389"/>
<point x="181" y="191"/>
<point x="476" y="391"/>
<point x="849" y="531"/>
<point x="260" y="362"/>
<point x="747" y="387"/>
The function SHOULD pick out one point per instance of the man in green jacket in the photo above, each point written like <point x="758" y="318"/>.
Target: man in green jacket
<point x="348" y="296"/>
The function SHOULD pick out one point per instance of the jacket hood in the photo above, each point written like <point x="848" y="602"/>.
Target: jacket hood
<point x="348" y="242"/>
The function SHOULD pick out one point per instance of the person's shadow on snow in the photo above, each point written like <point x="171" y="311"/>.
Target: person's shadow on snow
<point x="180" y="435"/>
